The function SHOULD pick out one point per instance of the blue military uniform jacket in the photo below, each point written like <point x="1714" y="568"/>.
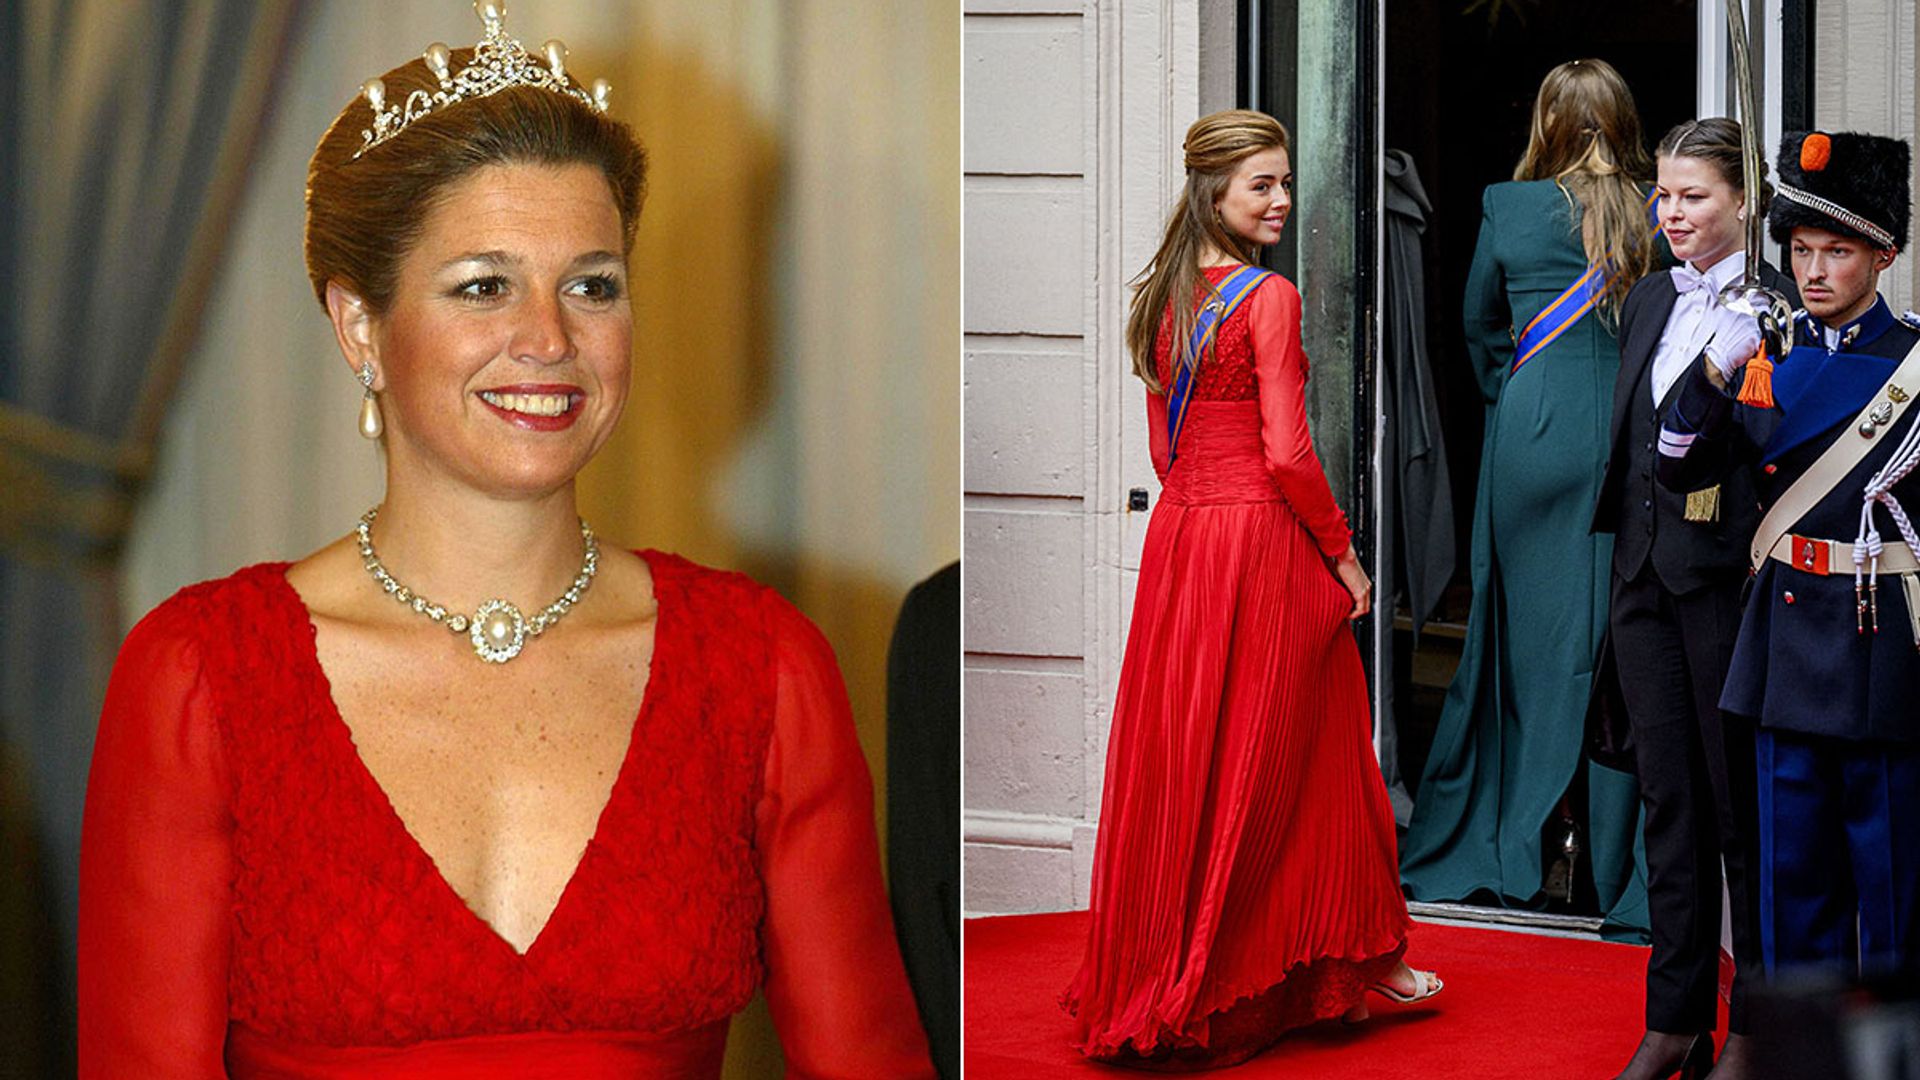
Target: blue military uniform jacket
<point x="1799" y="663"/>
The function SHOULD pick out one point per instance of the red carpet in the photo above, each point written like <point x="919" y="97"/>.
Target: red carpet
<point x="1516" y="1005"/>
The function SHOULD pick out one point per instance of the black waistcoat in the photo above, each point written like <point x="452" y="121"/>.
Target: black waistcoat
<point x="1649" y="522"/>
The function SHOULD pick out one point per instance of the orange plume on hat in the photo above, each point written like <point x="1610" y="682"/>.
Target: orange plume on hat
<point x="1815" y="152"/>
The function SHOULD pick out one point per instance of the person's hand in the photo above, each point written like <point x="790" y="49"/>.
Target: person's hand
<point x="1736" y="338"/>
<point x="1347" y="569"/>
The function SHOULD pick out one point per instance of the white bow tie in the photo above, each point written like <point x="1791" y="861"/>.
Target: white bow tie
<point x="1686" y="279"/>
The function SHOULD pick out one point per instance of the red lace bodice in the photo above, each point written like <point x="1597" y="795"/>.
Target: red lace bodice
<point x="1249" y="401"/>
<point x="1226" y="375"/>
<point x="248" y="891"/>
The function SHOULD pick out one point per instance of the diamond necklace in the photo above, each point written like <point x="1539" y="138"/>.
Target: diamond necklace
<point x="497" y="628"/>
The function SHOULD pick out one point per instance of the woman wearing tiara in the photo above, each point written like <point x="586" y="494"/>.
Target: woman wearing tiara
<point x="327" y="837"/>
<point x="1244" y="881"/>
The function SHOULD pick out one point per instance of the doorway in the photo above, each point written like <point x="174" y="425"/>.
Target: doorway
<point x="1457" y="97"/>
<point x="1451" y="84"/>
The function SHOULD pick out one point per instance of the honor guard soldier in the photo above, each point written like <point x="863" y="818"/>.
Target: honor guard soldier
<point x="1827" y="660"/>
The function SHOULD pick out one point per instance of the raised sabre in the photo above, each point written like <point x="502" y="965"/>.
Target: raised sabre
<point x="1748" y="296"/>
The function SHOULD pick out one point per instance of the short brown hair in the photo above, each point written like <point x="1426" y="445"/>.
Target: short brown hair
<point x="364" y="214"/>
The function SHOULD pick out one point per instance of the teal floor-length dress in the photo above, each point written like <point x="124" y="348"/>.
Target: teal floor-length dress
<point x="1511" y="732"/>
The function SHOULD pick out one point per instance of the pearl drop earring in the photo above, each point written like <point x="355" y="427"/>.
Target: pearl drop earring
<point x="370" y="425"/>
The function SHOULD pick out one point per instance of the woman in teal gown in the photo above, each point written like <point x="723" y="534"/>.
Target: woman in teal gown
<point x="1510" y="737"/>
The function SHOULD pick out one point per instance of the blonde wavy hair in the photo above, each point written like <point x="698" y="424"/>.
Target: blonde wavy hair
<point x="1215" y="146"/>
<point x="1586" y="138"/>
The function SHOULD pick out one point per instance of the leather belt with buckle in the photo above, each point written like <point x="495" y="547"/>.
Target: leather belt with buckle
<point x="1812" y="556"/>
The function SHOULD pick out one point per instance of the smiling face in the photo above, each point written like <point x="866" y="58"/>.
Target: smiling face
<point x="1258" y="198"/>
<point x="1699" y="211"/>
<point x="1839" y="276"/>
<point x="504" y="357"/>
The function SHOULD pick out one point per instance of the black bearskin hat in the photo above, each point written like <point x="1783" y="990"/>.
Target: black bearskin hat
<point x="1826" y="179"/>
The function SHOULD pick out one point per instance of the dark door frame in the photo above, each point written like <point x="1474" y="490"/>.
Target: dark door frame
<point x="1269" y="36"/>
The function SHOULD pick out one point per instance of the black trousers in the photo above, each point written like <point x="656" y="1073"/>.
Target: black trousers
<point x="1697" y="785"/>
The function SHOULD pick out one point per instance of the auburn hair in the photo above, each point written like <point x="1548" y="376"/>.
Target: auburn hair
<point x="1585" y="137"/>
<point x="1215" y="146"/>
<point x="364" y="214"/>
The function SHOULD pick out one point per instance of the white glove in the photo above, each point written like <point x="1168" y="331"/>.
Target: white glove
<point x="1736" y="338"/>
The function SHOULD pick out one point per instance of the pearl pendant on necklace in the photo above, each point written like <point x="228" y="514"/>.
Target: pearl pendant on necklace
<point x="499" y="631"/>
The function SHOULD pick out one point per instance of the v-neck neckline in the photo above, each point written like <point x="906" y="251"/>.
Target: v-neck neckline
<point x="335" y="725"/>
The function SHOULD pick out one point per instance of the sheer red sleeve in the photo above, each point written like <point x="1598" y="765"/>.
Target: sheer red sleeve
<point x="155" y="868"/>
<point x="835" y="984"/>
<point x="1157" y="406"/>
<point x="1280" y="369"/>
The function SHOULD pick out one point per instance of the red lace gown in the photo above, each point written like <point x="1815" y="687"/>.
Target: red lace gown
<point x="1245" y="880"/>
<point x="252" y="907"/>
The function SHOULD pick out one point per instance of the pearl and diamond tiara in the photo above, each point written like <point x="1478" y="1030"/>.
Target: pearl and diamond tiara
<point x="499" y="63"/>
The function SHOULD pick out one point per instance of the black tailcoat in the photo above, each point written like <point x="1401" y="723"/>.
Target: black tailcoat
<point x="1648" y="519"/>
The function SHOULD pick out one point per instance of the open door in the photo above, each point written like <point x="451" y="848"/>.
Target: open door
<point x="1450" y="84"/>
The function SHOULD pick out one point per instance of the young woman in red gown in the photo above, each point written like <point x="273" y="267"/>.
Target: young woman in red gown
<point x="1245" y="881"/>
<point x="324" y="838"/>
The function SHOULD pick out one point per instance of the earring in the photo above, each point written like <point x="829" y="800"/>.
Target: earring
<point x="370" y="425"/>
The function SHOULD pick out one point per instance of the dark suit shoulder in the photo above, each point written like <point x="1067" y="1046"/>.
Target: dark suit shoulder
<point x="1780" y="283"/>
<point x="1646" y="291"/>
<point x="1651" y="297"/>
<point x="1656" y="279"/>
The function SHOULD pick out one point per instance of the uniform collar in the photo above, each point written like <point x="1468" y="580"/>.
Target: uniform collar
<point x="1852" y="336"/>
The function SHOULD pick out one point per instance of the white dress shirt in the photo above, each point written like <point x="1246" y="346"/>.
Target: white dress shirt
<point x="1688" y="329"/>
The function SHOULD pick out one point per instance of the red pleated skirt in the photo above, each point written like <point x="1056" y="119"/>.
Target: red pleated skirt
<point x="1246" y="880"/>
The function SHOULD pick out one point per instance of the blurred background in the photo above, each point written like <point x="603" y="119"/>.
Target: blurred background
<point x="172" y="406"/>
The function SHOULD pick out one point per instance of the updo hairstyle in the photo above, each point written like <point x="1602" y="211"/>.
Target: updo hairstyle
<point x="364" y="214"/>
<point x="1715" y="140"/>
<point x="1216" y="144"/>
<point x="1585" y="137"/>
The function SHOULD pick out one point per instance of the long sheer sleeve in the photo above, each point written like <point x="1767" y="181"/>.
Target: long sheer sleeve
<point x="1489" y="318"/>
<point x="1280" y="369"/>
<point x="835" y="984"/>
<point x="155" y="869"/>
<point x="1157" y="406"/>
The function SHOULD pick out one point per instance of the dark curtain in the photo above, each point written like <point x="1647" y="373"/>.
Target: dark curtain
<point x="1417" y="496"/>
<point x="126" y="129"/>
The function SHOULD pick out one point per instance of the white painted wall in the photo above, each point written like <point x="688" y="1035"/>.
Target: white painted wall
<point x="1074" y="112"/>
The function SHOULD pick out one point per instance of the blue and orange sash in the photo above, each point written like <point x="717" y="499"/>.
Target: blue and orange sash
<point x="1234" y="288"/>
<point x="1573" y="303"/>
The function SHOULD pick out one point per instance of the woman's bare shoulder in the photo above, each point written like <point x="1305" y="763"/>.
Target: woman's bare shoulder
<point x="330" y="579"/>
